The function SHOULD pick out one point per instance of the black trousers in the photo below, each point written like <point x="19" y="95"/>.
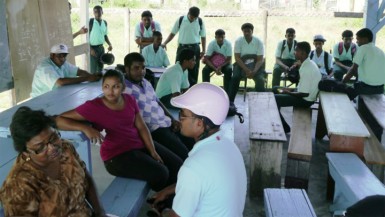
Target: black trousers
<point x="166" y="137"/>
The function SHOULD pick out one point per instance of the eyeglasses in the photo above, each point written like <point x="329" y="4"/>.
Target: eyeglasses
<point x="181" y="116"/>
<point x="53" y="140"/>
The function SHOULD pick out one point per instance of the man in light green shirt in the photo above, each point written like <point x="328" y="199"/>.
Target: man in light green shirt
<point x="174" y="80"/>
<point x="343" y="53"/>
<point x="192" y="32"/>
<point x="154" y="54"/>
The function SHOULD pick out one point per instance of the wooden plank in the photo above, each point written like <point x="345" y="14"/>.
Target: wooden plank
<point x="265" y="166"/>
<point x="124" y="197"/>
<point x="81" y="49"/>
<point x="265" y="123"/>
<point x="340" y="116"/>
<point x="300" y="145"/>
<point x="297" y="174"/>
<point x="353" y="180"/>
<point x="374" y="151"/>
<point x="287" y="202"/>
<point x="376" y="106"/>
<point x="339" y="143"/>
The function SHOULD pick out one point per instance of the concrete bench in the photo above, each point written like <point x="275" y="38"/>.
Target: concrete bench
<point x="372" y="109"/>
<point x="300" y="150"/>
<point x="338" y="119"/>
<point x="266" y="142"/>
<point x="353" y="180"/>
<point x="287" y="202"/>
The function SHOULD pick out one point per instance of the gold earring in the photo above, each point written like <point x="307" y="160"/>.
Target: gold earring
<point x="28" y="159"/>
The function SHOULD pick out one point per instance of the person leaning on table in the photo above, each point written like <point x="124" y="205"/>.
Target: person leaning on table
<point x="54" y="72"/>
<point x="48" y="177"/>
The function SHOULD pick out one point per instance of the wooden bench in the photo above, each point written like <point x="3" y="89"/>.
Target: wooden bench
<point x="372" y="108"/>
<point x="300" y="150"/>
<point x="287" y="202"/>
<point x="338" y="119"/>
<point x="266" y="142"/>
<point x="374" y="154"/>
<point x="353" y="180"/>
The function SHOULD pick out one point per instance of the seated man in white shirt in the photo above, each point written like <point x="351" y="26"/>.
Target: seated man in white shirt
<point x="54" y="71"/>
<point x="154" y="54"/>
<point x="323" y="59"/>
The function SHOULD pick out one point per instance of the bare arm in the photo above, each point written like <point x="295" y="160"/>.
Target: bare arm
<point x="203" y="41"/>
<point x="258" y="64"/>
<point x="142" y="41"/>
<point x="280" y="63"/>
<point x="108" y="42"/>
<point x="169" y="38"/>
<point x="82" y="76"/>
<point x="239" y="61"/>
<point x="337" y="61"/>
<point x="352" y="72"/>
<point x="82" y="30"/>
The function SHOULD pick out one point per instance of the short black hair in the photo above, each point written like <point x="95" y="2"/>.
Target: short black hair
<point x="347" y="34"/>
<point x="146" y="14"/>
<point x="290" y="31"/>
<point x="98" y="7"/>
<point x="194" y="11"/>
<point x="26" y="124"/>
<point x="365" y="33"/>
<point x="304" y="46"/>
<point x="220" y="32"/>
<point x="156" y="34"/>
<point x="186" y="54"/>
<point x="247" y="26"/>
<point x="133" y="57"/>
<point x="112" y="73"/>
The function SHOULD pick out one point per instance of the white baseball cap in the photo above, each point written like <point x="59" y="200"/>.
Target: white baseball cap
<point x="319" y="38"/>
<point x="59" y="48"/>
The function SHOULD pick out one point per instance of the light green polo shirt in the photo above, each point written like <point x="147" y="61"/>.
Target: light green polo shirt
<point x="309" y="79"/>
<point x="286" y="53"/>
<point x="371" y="64"/>
<point x="254" y="47"/>
<point x="226" y="48"/>
<point x="99" y="30"/>
<point x="158" y="59"/>
<point x="147" y="33"/>
<point x="345" y="55"/>
<point x="173" y="80"/>
<point x="189" y="32"/>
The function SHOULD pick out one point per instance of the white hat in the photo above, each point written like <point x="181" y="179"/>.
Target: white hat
<point x="59" y="48"/>
<point x="319" y="38"/>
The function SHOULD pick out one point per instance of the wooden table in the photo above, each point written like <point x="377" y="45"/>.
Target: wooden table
<point x="340" y="121"/>
<point x="266" y="140"/>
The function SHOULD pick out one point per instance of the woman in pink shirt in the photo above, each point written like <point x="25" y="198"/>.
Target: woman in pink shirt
<point x="127" y="149"/>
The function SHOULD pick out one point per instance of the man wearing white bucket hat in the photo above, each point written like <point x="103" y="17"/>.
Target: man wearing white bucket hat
<point x="54" y="71"/>
<point x="213" y="177"/>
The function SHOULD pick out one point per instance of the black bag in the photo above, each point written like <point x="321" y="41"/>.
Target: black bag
<point x="331" y="85"/>
<point x="233" y="111"/>
<point x="293" y="76"/>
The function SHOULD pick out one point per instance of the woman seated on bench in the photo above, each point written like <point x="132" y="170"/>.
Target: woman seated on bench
<point x="128" y="149"/>
<point x="48" y="177"/>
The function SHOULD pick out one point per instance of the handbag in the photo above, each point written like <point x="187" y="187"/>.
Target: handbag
<point x="217" y="59"/>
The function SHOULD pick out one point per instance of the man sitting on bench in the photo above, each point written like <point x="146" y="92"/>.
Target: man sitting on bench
<point x="368" y="65"/>
<point x="343" y="53"/>
<point x="306" y="92"/>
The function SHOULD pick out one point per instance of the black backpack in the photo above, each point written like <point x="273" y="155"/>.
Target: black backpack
<point x="331" y="85"/>
<point x="199" y="21"/>
<point x="283" y="46"/>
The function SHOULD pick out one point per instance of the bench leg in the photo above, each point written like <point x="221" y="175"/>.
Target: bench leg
<point x="377" y="170"/>
<point x="330" y="188"/>
<point x="265" y="166"/>
<point x="297" y="174"/>
<point x="321" y="130"/>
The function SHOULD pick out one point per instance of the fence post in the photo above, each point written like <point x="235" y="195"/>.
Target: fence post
<point x="127" y="29"/>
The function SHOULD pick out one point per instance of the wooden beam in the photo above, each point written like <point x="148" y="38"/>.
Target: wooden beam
<point x="84" y="18"/>
<point x="349" y="14"/>
<point x="370" y="15"/>
<point x="81" y="49"/>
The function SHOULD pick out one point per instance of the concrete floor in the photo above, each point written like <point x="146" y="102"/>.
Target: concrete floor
<point x="254" y="206"/>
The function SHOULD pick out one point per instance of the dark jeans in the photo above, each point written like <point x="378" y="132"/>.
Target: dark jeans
<point x="277" y="71"/>
<point x="138" y="164"/>
<point x="166" y="137"/>
<point x="340" y="72"/>
<point x="366" y="89"/>
<point x="286" y="100"/>
<point x="192" y="73"/>
<point x="96" y="65"/>
<point x="238" y="74"/>
<point x="226" y="70"/>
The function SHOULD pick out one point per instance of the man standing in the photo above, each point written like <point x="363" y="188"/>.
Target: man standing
<point x="284" y="56"/>
<point x="192" y="32"/>
<point x="98" y="35"/>
<point x="212" y="181"/>
<point x="144" y="30"/>
<point x="306" y="92"/>
<point x="54" y="71"/>
<point x="159" y="121"/>
<point x="249" y="62"/>
<point x="368" y="65"/>
<point x="218" y="59"/>
<point x="174" y="81"/>
<point x="343" y="53"/>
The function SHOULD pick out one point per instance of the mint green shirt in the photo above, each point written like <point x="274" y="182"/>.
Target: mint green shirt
<point x="226" y="48"/>
<point x="287" y="54"/>
<point x="189" y="32"/>
<point x="158" y="59"/>
<point x="99" y="30"/>
<point x="371" y="64"/>
<point x="254" y="47"/>
<point x="173" y="80"/>
<point x="345" y="55"/>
